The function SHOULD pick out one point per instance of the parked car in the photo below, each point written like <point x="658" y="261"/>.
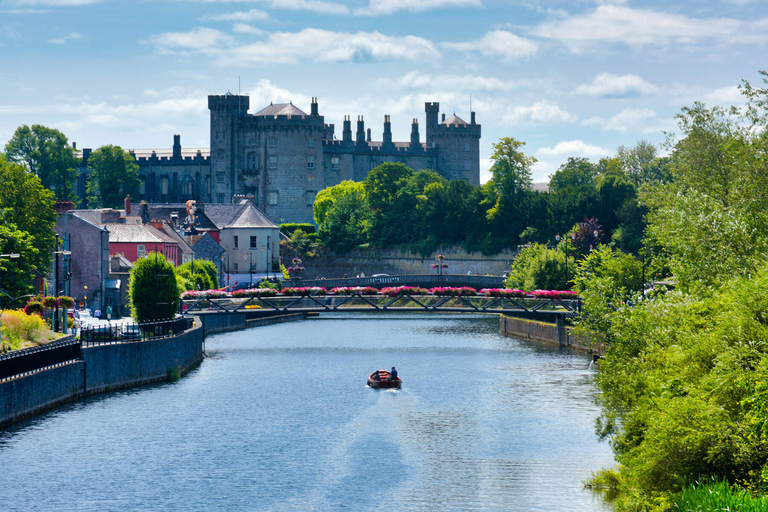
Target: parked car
<point x="131" y="332"/>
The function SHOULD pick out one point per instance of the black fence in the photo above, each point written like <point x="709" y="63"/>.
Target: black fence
<point x="27" y="360"/>
<point x="130" y="332"/>
<point x="425" y="281"/>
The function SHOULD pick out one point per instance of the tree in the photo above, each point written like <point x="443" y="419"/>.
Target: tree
<point x="636" y="161"/>
<point x="28" y="207"/>
<point x="573" y="193"/>
<point x="152" y="289"/>
<point x="537" y="267"/>
<point x="16" y="272"/>
<point x="48" y="155"/>
<point x="199" y="275"/>
<point x="114" y="175"/>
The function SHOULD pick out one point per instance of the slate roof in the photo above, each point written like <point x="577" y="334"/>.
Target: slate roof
<point x="280" y="109"/>
<point x="163" y="212"/>
<point x="136" y="233"/>
<point x="241" y="215"/>
<point x="454" y="120"/>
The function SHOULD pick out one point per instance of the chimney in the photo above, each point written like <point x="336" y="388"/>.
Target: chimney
<point x="110" y="216"/>
<point x="387" y="138"/>
<point x="443" y="116"/>
<point x="143" y="207"/>
<point x="74" y="145"/>
<point x="314" y="106"/>
<point x="415" y="132"/>
<point x="473" y="117"/>
<point x="157" y="224"/>
<point x="127" y="205"/>
<point x="360" y="129"/>
<point x="177" y="146"/>
<point x="369" y="135"/>
<point x="347" y="132"/>
<point x="61" y="207"/>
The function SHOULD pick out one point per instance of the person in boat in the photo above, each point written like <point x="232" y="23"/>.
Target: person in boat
<point x="393" y="374"/>
<point x="376" y="375"/>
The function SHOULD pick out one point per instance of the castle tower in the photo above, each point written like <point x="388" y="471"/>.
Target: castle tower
<point x="226" y="113"/>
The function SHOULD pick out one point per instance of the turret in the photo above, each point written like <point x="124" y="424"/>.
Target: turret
<point x="235" y="104"/>
<point x="432" y="110"/>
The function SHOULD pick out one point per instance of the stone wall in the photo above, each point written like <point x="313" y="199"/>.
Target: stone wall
<point x="547" y="333"/>
<point x="399" y="262"/>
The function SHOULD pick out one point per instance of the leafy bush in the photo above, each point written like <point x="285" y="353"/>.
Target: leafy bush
<point x="152" y="289"/>
<point x="289" y="227"/>
<point x="19" y="328"/>
<point x="537" y="267"/>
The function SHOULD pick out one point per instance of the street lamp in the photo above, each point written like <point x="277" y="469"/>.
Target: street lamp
<point x="439" y="266"/>
<point x="56" y="290"/>
<point x="295" y="271"/>
<point x="10" y="256"/>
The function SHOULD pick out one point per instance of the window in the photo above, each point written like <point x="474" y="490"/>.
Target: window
<point x="273" y="142"/>
<point x="235" y="242"/>
<point x="220" y="155"/>
<point x="219" y="177"/>
<point x="466" y="146"/>
<point x="140" y="251"/>
<point x="335" y="163"/>
<point x="311" y="143"/>
<point x="234" y="267"/>
<point x="219" y="198"/>
<point x="466" y="165"/>
<point x="272" y="197"/>
<point x="273" y="162"/>
<point x="164" y="185"/>
<point x="311" y="197"/>
<point x="310" y="161"/>
<point x="252" y="162"/>
<point x="253" y="243"/>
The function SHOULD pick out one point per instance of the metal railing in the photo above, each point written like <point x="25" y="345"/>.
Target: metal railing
<point x="131" y="332"/>
<point x="426" y="280"/>
<point x="28" y="360"/>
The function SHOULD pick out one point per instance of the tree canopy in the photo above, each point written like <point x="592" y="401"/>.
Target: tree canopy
<point x="114" y="175"/>
<point x="152" y="289"/>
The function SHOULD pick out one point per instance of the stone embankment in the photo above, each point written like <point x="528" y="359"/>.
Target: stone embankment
<point x="554" y="334"/>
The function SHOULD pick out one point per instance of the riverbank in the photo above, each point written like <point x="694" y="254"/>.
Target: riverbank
<point x="555" y="334"/>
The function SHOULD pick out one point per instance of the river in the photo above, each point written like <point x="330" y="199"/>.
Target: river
<point x="278" y="418"/>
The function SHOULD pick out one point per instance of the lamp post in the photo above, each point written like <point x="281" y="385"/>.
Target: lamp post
<point x="56" y="290"/>
<point x="565" y="246"/>
<point x="295" y="271"/>
<point x="13" y="256"/>
<point x="440" y="266"/>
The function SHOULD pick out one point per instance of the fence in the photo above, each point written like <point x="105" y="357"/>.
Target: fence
<point x="132" y="332"/>
<point x="27" y="360"/>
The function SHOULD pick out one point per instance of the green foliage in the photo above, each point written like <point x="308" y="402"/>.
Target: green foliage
<point x="538" y="268"/>
<point x="19" y="329"/>
<point x="26" y="207"/>
<point x="342" y="215"/>
<point x="718" y="495"/>
<point x="289" y="228"/>
<point x="114" y="175"/>
<point x="152" y="289"/>
<point x="198" y="275"/>
<point x="48" y="155"/>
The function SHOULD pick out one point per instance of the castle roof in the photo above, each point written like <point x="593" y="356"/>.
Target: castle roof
<point x="454" y="120"/>
<point x="280" y="109"/>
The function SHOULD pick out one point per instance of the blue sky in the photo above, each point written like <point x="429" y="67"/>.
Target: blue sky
<point x="569" y="78"/>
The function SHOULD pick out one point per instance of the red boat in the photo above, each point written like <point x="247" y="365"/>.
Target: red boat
<point x="384" y="381"/>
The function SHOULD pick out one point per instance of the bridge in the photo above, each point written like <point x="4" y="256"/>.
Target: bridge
<point x="424" y="281"/>
<point x="546" y="310"/>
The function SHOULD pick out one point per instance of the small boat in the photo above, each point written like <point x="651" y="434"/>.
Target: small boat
<point x="384" y="381"/>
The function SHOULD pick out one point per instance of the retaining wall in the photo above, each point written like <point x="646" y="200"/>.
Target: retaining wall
<point x="555" y="334"/>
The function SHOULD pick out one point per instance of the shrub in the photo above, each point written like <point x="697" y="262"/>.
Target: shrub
<point x="152" y="289"/>
<point x="19" y="328"/>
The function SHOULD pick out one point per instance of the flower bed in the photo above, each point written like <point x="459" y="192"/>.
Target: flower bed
<point x="205" y="294"/>
<point x="465" y="291"/>
<point x="503" y="292"/>
<point x="304" y="291"/>
<point x="554" y="294"/>
<point x="399" y="291"/>
<point x="254" y="292"/>
<point x="349" y="290"/>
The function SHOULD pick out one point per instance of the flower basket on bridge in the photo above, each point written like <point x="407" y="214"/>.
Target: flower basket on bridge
<point x="50" y="302"/>
<point x="464" y="291"/>
<point x="351" y="290"/>
<point x="66" y="301"/>
<point x="555" y="294"/>
<point x="305" y="291"/>
<point x="502" y="292"/>
<point x="400" y="291"/>
<point x="254" y="292"/>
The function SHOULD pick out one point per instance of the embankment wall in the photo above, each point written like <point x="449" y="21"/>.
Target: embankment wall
<point x="555" y="334"/>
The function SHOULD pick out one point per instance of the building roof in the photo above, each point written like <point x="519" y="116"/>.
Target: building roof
<point x="454" y="120"/>
<point x="164" y="211"/>
<point x="241" y="215"/>
<point x="137" y="233"/>
<point x="280" y="109"/>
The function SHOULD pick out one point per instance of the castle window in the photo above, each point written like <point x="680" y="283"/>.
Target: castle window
<point x="187" y="186"/>
<point x="220" y="155"/>
<point x="219" y="198"/>
<point x="252" y="162"/>
<point x="273" y="142"/>
<point x="219" y="177"/>
<point x="273" y="162"/>
<point x="311" y="143"/>
<point x="310" y="161"/>
<point x="272" y="197"/>
<point x="335" y="163"/>
<point x="235" y="241"/>
<point x="466" y="146"/>
<point x="164" y="185"/>
<point x="254" y="245"/>
<point x="143" y="187"/>
<point x="466" y="165"/>
<point x="311" y="197"/>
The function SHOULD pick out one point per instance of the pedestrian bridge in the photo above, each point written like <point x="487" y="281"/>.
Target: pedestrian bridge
<point x="547" y="310"/>
<point x="424" y="281"/>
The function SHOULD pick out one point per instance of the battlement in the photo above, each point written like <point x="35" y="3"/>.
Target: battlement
<point x="376" y="148"/>
<point x="237" y="103"/>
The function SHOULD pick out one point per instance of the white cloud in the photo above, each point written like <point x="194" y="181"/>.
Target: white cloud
<point x="636" y="119"/>
<point x="419" y="80"/>
<point x="638" y="27"/>
<point x="384" y="7"/>
<point x="325" y="46"/>
<point x="63" y="40"/>
<point x="242" y="16"/>
<point x="243" y="28"/>
<point x="573" y="148"/>
<point x="311" y="5"/>
<point x="607" y="85"/>
<point x="500" y="43"/>
<point x="200" y="38"/>
<point x="541" y="112"/>
<point x="725" y="96"/>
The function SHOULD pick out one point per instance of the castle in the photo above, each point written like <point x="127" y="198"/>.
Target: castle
<point x="280" y="157"/>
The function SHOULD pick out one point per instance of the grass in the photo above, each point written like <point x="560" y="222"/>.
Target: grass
<point x="718" y="496"/>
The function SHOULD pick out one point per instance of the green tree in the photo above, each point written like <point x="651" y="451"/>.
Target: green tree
<point x="48" y="155"/>
<point x="16" y="272"/>
<point x="27" y="206"/>
<point x="152" y="289"/>
<point x="198" y="275"/>
<point x="114" y="175"/>
<point x="342" y="215"/>
<point x="537" y="267"/>
<point x="573" y="193"/>
<point x="636" y="162"/>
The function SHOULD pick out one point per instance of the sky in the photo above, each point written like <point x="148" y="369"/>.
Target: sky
<point x="570" y="78"/>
